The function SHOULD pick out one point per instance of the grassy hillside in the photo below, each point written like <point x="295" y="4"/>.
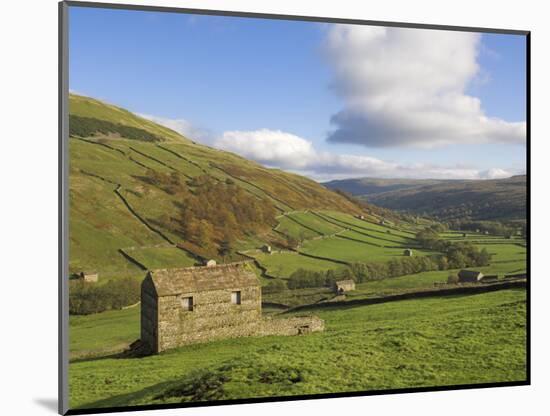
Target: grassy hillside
<point x="416" y="343"/>
<point x="499" y="199"/>
<point x="142" y="196"/>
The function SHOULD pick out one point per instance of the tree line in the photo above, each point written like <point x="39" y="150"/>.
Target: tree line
<point x="86" y="298"/>
<point x="505" y="229"/>
<point x="87" y="126"/>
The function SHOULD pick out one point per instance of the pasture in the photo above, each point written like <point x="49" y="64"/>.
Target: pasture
<point x="161" y="257"/>
<point x="357" y="250"/>
<point x="416" y="343"/>
<point x="282" y="265"/>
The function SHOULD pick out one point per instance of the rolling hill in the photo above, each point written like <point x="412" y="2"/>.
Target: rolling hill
<point x="374" y="186"/>
<point x="498" y="199"/>
<point x="142" y="195"/>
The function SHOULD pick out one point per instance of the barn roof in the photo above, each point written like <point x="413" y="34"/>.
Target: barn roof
<point x="469" y="273"/>
<point x="197" y="279"/>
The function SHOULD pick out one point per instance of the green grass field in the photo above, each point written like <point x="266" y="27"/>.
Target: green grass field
<point x="102" y="333"/>
<point x="351" y="221"/>
<point x="312" y="221"/>
<point x="373" y="243"/>
<point x="293" y="229"/>
<point x="416" y="343"/>
<point x="353" y="251"/>
<point x="162" y="257"/>
<point x="284" y="264"/>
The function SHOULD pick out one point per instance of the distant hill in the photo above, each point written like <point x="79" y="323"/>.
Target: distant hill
<point x="498" y="199"/>
<point x="374" y="186"/>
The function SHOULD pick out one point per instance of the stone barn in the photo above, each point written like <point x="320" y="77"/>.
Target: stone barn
<point x="408" y="252"/>
<point x="90" y="277"/>
<point x="200" y="304"/>
<point x="266" y="248"/>
<point x="343" y="286"/>
<point x="469" y="276"/>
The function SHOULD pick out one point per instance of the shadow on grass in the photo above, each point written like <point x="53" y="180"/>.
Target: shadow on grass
<point x="128" y="353"/>
<point x="129" y="399"/>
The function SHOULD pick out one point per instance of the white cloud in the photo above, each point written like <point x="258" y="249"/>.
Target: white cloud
<point x="183" y="127"/>
<point x="270" y="147"/>
<point x="279" y="149"/>
<point x="406" y="87"/>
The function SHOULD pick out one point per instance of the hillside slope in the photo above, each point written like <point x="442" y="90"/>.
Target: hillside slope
<point x="140" y="192"/>
<point x="498" y="199"/>
<point x="374" y="186"/>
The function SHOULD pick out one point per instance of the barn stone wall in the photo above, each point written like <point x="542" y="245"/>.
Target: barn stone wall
<point x="213" y="317"/>
<point x="168" y="321"/>
<point x="149" y="316"/>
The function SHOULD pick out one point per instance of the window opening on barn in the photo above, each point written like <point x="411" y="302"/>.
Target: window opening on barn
<point x="236" y="297"/>
<point x="187" y="303"/>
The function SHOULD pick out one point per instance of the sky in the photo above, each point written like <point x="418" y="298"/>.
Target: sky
<point x="329" y="101"/>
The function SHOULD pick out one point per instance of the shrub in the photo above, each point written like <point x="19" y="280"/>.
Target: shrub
<point x="452" y="278"/>
<point x="86" y="126"/>
<point x="86" y="298"/>
<point x="275" y="286"/>
<point x="306" y="278"/>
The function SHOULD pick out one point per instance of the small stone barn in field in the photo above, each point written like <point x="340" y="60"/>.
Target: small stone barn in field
<point x="408" y="252"/>
<point x="469" y="276"/>
<point x="343" y="286"/>
<point x="90" y="277"/>
<point x="200" y="304"/>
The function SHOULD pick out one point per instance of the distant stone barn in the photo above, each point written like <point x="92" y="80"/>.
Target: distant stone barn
<point x="90" y="277"/>
<point x="408" y="252"/>
<point x="200" y="304"/>
<point x="343" y="286"/>
<point x="469" y="276"/>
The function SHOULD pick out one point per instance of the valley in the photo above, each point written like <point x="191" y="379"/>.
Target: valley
<point x="143" y="197"/>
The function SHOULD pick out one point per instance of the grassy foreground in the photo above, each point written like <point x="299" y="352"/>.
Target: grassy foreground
<point x="427" y="342"/>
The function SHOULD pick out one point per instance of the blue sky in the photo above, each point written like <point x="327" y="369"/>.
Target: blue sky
<point x="308" y="91"/>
